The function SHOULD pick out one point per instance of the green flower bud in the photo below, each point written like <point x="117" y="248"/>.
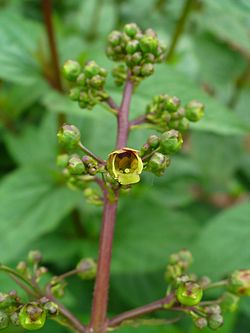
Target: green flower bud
<point x="153" y="141"/>
<point x="230" y="302"/>
<point x="170" y="142"/>
<point x="200" y="322"/>
<point x="87" y="269"/>
<point x="185" y="258"/>
<point x="147" y="69"/>
<point x="215" y="321"/>
<point x="97" y="81"/>
<point x="150" y="32"/>
<point x="189" y="293"/>
<point x="115" y="38"/>
<point x="149" y="58"/>
<point x="62" y="160"/>
<point x="71" y="70"/>
<point x="132" y="46"/>
<point x="34" y="257"/>
<point x="204" y="281"/>
<point x="239" y="282"/>
<point x="172" y="272"/>
<point x="69" y="136"/>
<point x="81" y="80"/>
<point x="158" y="163"/>
<point x="22" y="267"/>
<point x="32" y="316"/>
<point x="194" y="111"/>
<point x="212" y="309"/>
<point x="125" y="165"/>
<point x="91" y="69"/>
<point x="149" y="44"/>
<point x="4" y="320"/>
<point x="179" y="114"/>
<point x="136" y="58"/>
<point x="14" y="319"/>
<point x="131" y="29"/>
<point x="58" y="288"/>
<point x="51" y="308"/>
<point x="183" y="125"/>
<point x="76" y="166"/>
<point x="172" y="103"/>
<point x="74" y="93"/>
<point x="5" y="301"/>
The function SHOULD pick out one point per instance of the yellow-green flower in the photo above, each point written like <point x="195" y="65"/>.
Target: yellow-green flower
<point x="125" y="165"/>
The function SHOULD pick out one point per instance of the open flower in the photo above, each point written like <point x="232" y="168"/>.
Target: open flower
<point x="125" y="165"/>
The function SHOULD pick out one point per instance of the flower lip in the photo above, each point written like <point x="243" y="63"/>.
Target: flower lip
<point x="125" y="165"/>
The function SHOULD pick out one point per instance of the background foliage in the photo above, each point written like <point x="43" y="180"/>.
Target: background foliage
<point x="202" y="203"/>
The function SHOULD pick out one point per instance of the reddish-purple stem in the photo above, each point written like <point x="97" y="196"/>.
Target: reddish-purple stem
<point x="157" y="305"/>
<point x="123" y="122"/>
<point x="137" y="121"/>
<point x="100" y="300"/>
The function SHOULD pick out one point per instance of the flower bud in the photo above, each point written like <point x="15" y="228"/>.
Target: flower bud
<point x="87" y="269"/>
<point x="158" y="163"/>
<point x="62" y="160"/>
<point x="97" y="81"/>
<point x="14" y="319"/>
<point x="74" y="93"/>
<point x="172" y="103"/>
<point x="22" y="267"/>
<point x="189" y="293"/>
<point x="194" y="111"/>
<point x="32" y="316"/>
<point x="115" y="38"/>
<point x="132" y="46"/>
<point x="51" y="308"/>
<point x="69" y="136"/>
<point x="215" y="321"/>
<point x="91" y="69"/>
<point x="153" y="141"/>
<point x="239" y="282"/>
<point x="76" y="166"/>
<point x="131" y="29"/>
<point x="147" y="69"/>
<point x="173" y="272"/>
<point x="34" y="257"/>
<point x="58" y="288"/>
<point x="125" y="165"/>
<point x="170" y="142"/>
<point x="212" y="309"/>
<point x="200" y="322"/>
<point x="230" y="302"/>
<point x="5" y="301"/>
<point x="4" y="320"/>
<point x="149" y="44"/>
<point x="71" y="70"/>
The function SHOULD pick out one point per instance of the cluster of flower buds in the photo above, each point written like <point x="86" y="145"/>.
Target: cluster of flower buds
<point x="166" y="112"/>
<point x="30" y="316"/>
<point x="77" y="170"/>
<point x="137" y="49"/>
<point x="157" y="150"/>
<point x="211" y="317"/>
<point x="178" y="265"/>
<point x="87" y="83"/>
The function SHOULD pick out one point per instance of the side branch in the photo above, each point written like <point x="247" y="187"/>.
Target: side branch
<point x="149" y="308"/>
<point x="123" y="122"/>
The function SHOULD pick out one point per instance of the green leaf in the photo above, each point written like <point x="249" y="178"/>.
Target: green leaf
<point x="223" y="244"/>
<point x="35" y="145"/>
<point x="32" y="204"/>
<point x="19" y="40"/>
<point x="147" y="233"/>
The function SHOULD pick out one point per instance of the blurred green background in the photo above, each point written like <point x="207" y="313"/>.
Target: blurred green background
<point x="202" y="202"/>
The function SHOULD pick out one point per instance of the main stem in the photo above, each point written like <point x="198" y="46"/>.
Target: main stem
<point x="99" y="322"/>
<point x="100" y="300"/>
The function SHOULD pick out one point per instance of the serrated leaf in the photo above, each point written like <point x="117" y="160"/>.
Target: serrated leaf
<point x="32" y="204"/>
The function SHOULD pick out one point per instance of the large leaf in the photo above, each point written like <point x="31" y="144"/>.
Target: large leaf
<point x="223" y="244"/>
<point x="147" y="232"/>
<point x="32" y="204"/>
